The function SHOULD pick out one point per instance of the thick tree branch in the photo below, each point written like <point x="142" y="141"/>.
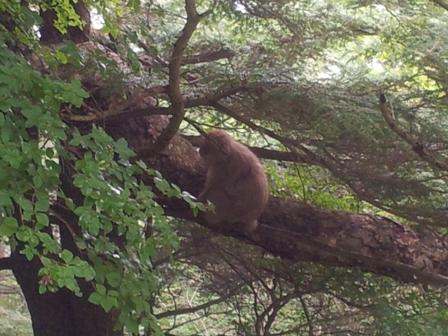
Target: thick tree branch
<point x="417" y="146"/>
<point x="174" y="92"/>
<point x="300" y="232"/>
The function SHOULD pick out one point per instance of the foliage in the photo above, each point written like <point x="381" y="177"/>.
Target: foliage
<point x="318" y="66"/>
<point x="37" y="149"/>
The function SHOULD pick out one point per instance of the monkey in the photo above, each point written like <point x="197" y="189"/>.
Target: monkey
<point x="235" y="183"/>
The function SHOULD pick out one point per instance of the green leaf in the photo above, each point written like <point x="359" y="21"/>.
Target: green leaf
<point x="67" y="256"/>
<point x="122" y="148"/>
<point x="95" y="298"/>
<point x="42" y="219"/>
<point x="101" y="289"/>
<point x="49" y="152"/>
<point x="42" y="203"/>
<point x="37" y="181"/>
<point x="5" y="199"/>
<point x="42" y="289"/>
<point x="29" y="252"/>
<point x="108" y="303"/>
<point x="8" y="226"/>
<point x="25" y="204"/>
<point x="74" y="94"/>
<point x="23" y="234"/>
<point x="163" y="185"/>
<point x="50" y="244"/>
<point x="113" y="278"/>
<point x="85" y="271"/>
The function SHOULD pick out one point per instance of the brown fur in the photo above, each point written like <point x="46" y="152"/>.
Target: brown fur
<point x="236" y="183"/>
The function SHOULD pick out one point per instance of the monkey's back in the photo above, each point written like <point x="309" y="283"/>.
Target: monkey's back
<point x="236" y="183"/>
<point x="250" y="186"/>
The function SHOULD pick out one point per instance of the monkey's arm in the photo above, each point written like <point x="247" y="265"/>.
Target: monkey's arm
<point x="217" y="182"/>
<point x="208" y="185"/>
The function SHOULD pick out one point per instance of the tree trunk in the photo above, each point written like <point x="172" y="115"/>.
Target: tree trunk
<point x="61" y="313"/>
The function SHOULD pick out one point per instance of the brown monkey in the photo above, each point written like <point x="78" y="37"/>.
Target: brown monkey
<point x="236" y="183"/>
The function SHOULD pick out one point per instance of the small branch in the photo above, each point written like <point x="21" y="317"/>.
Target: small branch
<point x="174" y="92"/>
<point x="307" y="316"/>
<point x="209" y="56"/>
<point x="227" y="111"/>
<point x="291" y="144"/>
<point x="189" y="310"/>
<point x="411" y="139"/>
<point x="6" y="263"/>
<point x="262" y="153"/>
<point x="196" y="126"/>
<point x="272" y="310"/>
<point x="114" y="115"/>
<point x="118" y="114"/>
<point x="211" y="99"/>
<point x="350" y="303"/>
<point x="132" y="113"/>
<point x="206" y="100"/>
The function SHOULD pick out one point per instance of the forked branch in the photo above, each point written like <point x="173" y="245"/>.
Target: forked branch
<point x="174" y="92"/>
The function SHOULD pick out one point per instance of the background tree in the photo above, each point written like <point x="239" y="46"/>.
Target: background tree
<point x="345" y="102"/>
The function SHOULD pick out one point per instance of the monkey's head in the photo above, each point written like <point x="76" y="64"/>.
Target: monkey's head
<point x="216" y="148"/>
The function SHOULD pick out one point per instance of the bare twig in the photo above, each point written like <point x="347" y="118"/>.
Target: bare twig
<point x="417" y="146"/>
<point x="196" y="126"/>
<point x="190" y="310"/>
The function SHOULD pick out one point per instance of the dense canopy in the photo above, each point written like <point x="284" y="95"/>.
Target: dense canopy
<point x="104" y="104"/>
